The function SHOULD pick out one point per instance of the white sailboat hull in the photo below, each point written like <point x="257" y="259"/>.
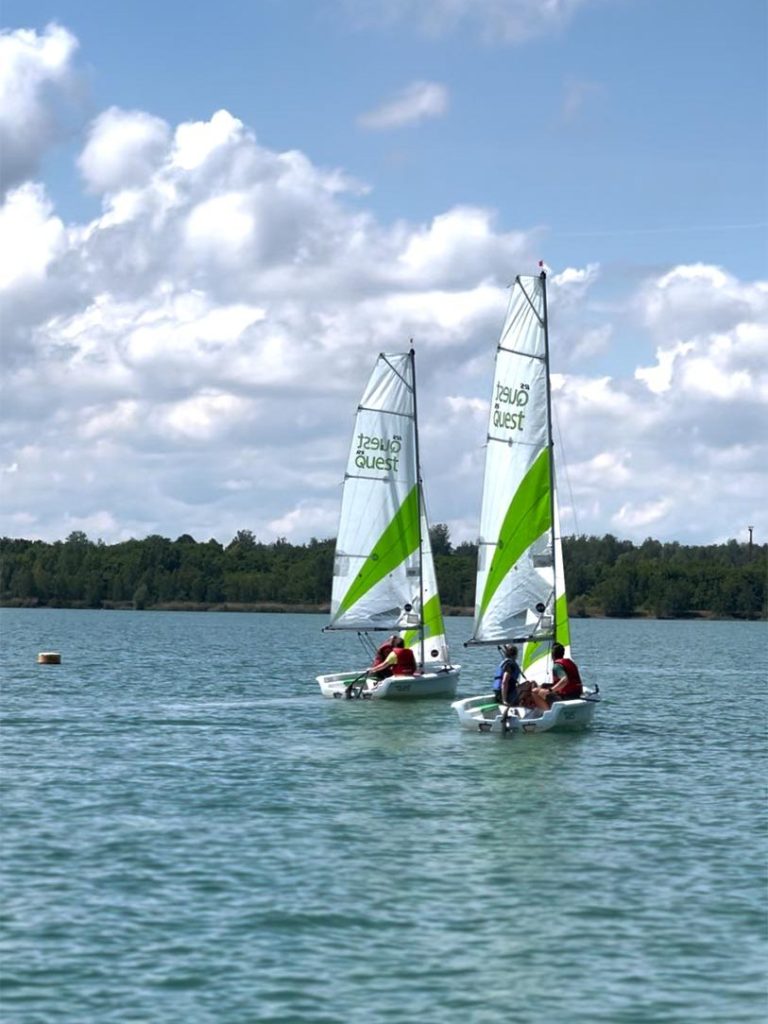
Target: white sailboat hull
<point x="483" y="714"/>
<point x="438" y="683"/>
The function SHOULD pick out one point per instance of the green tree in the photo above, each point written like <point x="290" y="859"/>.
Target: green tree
<point x="440" y="539"/>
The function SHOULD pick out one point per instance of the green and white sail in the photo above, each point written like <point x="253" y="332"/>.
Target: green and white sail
<point x="383" y="570"/>
<point x="520" y="594"/>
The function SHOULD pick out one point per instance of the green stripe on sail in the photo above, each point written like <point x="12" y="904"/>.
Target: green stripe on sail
<point x="397" y="542"/>
<point x="532" y="651"/>
<point x="561" y="618"/>
<point x="433" y="622"/>
<point x="528" y="516"/>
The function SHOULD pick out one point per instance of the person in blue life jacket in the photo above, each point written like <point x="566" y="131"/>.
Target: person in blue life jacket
<point x="507" y="677"/>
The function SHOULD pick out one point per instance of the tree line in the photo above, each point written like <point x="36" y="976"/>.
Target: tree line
<point x="605" y="576"/>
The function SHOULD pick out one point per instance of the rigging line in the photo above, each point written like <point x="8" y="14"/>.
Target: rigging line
<point x="366" y="642"/>
<point x="617" y="232"/>
<point x="566" y="474"/>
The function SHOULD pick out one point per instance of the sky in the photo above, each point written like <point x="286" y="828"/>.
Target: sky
<point x="215" y="216"/>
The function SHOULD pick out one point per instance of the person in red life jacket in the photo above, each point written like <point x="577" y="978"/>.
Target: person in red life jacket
<point x="380" y="668"/>
<point x="566" y="681"/>
<point x="405" y="659"/>
<point x="400" y="661"/>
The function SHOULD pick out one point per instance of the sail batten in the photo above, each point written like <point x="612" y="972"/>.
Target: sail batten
<point x="383" y="412"/>
<point x="507" y="444"/>
<point x="517" y="352"/>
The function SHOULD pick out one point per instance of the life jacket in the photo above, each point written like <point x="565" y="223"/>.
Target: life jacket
<point x="406" y="662"/>
<point x="573" y="688"/>
<point x="498" y="675"/>
<point x="382" y="652"/>
<point x="514" y="670"/>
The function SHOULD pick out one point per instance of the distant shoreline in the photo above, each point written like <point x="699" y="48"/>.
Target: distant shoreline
<point x="276" y="607"/>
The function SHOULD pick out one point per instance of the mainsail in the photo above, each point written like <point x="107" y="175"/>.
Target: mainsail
<point x="384" y="577"/>
<point x="520" y="594"/>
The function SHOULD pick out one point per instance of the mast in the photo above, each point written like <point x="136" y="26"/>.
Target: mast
<point x="419" y="502"/>
<point x="550" y="436"/>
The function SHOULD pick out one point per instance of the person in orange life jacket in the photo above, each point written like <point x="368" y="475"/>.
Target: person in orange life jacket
<point x="401" y="660"/>
<point x="507" y="677"/>
<point x="380" y="668"/>
<point x="566" y="681"/>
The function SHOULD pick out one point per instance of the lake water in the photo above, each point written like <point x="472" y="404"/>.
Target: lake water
<point x="192" y="834"/>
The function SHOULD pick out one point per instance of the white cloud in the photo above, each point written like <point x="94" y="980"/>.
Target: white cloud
<point x="503" y="21"/>
<point x="306" y="520"/>
<point x="461" y="406"/>
<point x="32" y="237"/>
<point x="606" y="465"/>
<point x="222" y="228"/>
<point x="645" y="516"/>
<point x="459" y="242"/>
<point x="706" y="396"/>
<point x="196" y="141"/>
<point x="659" y="377"/>
<point x="717" y="335"/>
<point x="36" y="76"/>
<point x="417" y="102"/>
<point x="190" y="360"/>
<point x="205" y="415"/>
<point x="124" y="147"/>
<point x="697" y="299"/>
<point x="575" y="281"/>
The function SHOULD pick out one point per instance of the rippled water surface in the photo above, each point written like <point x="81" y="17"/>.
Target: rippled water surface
<point x="192" y="834"/>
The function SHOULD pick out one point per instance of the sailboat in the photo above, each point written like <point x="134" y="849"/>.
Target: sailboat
<point x="520" y="592"/>
<point x="384" y="575"/>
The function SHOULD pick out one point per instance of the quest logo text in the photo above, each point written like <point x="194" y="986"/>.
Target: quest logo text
<point x="381" y="453"/>
<point x="507" y="396"/>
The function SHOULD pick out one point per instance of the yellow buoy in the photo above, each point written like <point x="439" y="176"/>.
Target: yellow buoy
<point x="49" y="658"/>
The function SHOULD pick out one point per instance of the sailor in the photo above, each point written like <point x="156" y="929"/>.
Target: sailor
<point x="566" y="681"/>
<point x="381" y="667"/>
<point x="405" y="659"/>
<point x="399" y="662"/>
<point x="507" y="676"/>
